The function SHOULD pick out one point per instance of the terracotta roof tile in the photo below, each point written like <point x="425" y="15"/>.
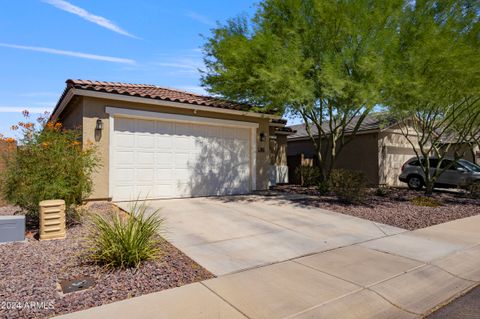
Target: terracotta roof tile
<point x="155" y="92"/>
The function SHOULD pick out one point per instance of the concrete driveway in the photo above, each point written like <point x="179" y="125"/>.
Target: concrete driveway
<point x="229" y="234"/>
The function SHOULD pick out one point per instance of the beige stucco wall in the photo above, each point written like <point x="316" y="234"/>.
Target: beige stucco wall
<point x="94" y="108"/>
<point x="468" y="152"/>
<point x="278" y="148"/>
<point x="72" y="117"/>
<point x="394" y="150"/>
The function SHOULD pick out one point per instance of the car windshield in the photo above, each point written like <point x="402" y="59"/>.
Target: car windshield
<point x="470" y="166"/>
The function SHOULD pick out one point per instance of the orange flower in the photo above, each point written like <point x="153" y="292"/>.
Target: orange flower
<point x="45" y="144"/>
<point x="28" y="125"/>
<point x="50" y="125"/>
<point x="58" y="125"/>
<point x="10" y="140"/>
<point x="75" y="143"/>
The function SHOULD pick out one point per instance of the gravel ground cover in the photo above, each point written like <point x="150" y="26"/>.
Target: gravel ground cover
<point x="30" y="271"/>
<point x="395" y="208"/>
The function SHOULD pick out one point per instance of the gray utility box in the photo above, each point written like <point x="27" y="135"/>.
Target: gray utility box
<point x="12" y="228"/>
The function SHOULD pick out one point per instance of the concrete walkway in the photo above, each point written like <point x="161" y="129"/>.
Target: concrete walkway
<point x="406" y="275"/>
<point x="231" y="234"/>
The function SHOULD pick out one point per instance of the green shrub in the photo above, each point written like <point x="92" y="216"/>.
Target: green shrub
<point x="382" y="190"/>
<point x="50" y="163"/>
<point x="323" y="187"/>
<point x="348" y="186"/>
<point x="425" y="201"/>
<point x="308" y="175"/>
<point x="124" y="242"/>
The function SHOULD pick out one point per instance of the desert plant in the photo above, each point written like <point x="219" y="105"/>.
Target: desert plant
<point x="308" y="175"/>
<point x="118" y="241"/>
<point x="323" y="187"/>
<point x="425" y="201"/>
<point x="349" y="186"/>
<point x="50" y="163"/>
<point x="382" y="190"/>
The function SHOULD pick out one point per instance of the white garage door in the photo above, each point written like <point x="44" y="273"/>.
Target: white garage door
<point x="165" y="159"/>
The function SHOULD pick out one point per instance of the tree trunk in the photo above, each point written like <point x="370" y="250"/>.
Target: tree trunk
<point x="429" y="188"/>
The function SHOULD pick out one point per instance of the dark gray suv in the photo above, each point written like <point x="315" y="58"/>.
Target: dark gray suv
<point x="461" y="174"/>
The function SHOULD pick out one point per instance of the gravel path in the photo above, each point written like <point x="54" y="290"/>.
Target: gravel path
<point x="395" y="208"/>
<point x="29" y="272"/>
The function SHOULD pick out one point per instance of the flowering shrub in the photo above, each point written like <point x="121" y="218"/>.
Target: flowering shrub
<point x="49" y="163"/>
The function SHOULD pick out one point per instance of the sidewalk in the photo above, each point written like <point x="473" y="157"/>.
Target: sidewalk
<point x="400" y="276"/>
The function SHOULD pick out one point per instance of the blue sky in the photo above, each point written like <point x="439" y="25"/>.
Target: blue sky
<point x="45" y="42"/>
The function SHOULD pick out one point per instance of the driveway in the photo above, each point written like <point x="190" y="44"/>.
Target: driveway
<point x="406" y="275"/>
<point x="229" y="234"/>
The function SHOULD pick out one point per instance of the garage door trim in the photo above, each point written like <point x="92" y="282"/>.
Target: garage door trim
<point x="168" y="117"/>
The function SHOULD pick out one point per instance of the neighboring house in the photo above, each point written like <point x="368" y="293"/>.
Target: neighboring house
<point x="468" y="151"/>
<point x="155" y="142"/>
<point x="379" y="149"/>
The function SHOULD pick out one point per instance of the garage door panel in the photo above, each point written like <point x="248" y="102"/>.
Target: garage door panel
<point x="164" y="141"/>
<point x="181" y="160"/>
<point x="164" y="175"/>
<point x="145" y="175"/>
<point x="126" y="140"/>
<point x="124" y="157"/>
<point x="145" y="141"/>
<point x="124" y="175"/>
<point x="182" y="175"/>
<point x="178" y="160"/>
<point x="164" y="159"/>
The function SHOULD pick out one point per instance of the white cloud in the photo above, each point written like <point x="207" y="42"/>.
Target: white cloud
<point x="186" y="63"/>
<point x="200" y="18"/>
<point x="19" y="109"/>
<point x="84" y="14"/>
<point x="70" y="53"/>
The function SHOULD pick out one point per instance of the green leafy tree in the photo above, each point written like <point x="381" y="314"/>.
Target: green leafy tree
<point x="434" y="87"/>
<point x="322" y="61"/>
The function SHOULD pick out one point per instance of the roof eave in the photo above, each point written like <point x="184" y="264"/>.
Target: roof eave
<point x="306" y="137"/>
<point x="66" y="98"/>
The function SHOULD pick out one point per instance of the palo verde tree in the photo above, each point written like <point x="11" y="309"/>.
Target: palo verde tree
<point x="322" y="61"/>
<point x="434" y="86"/>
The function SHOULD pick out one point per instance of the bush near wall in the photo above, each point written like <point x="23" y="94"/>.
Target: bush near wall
<point x="349" y="186"/>
<point x="308" y="175"/>
<point x="50" y="163"/>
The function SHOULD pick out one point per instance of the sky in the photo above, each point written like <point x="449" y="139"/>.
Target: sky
<point x="45" y="42"/>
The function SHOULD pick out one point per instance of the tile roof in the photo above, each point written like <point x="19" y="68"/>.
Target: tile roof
<point x="373" y="121"/>
<point x="153" y="92"/>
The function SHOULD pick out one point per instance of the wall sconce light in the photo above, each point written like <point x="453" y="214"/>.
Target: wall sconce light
<point x="262" y="137"/>
<point x="98" y="130"/>
<point x="99" y="125"/>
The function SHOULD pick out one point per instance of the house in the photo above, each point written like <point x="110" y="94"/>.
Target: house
<point x="379" y="149"/>
<point x="155" y="142"/>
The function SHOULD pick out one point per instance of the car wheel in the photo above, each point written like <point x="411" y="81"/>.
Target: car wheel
<point x="415" y="182"/>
